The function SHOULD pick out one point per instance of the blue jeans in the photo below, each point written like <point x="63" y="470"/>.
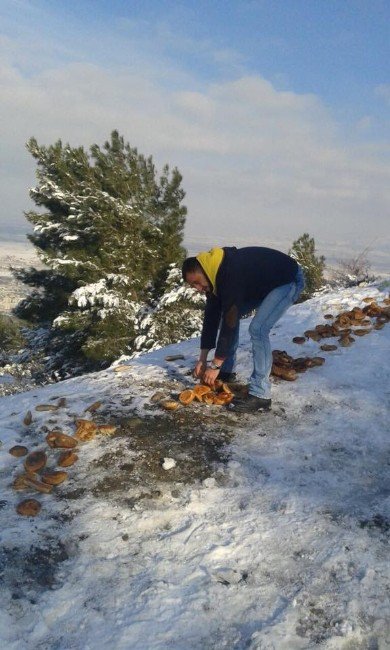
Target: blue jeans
<point x="268" y="312"/>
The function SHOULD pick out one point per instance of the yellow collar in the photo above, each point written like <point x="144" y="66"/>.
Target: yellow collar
<point x="210" y="262"/>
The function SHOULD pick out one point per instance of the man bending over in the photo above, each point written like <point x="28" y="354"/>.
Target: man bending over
<point x="237" y="281"/>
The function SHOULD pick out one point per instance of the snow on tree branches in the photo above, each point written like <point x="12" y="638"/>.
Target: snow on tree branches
<point x="108" y="232"/>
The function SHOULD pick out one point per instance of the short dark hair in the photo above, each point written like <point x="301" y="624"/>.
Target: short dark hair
<point x="190" y="265"/>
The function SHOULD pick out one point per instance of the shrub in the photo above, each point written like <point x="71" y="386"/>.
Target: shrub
<point x="354" y="270"/>
<point x="11" y="338"/>
<point x="303" y="250"/>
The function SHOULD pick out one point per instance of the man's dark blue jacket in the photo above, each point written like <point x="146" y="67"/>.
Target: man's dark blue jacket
<point x="244" y="277"/>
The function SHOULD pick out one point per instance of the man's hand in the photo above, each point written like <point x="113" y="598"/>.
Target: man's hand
<point x="200" y="369"/>
<point x="210" y="376"/>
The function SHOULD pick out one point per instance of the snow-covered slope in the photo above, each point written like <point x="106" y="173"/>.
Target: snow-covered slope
<point x="267" y="532"/>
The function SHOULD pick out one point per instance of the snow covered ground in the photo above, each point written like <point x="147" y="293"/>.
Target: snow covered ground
<point x="200" y="529"/>
<point x="17" y="255"/>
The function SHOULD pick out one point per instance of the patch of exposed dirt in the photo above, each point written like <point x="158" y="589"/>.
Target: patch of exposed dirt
<point x="24" y="571"/>
<point x="135" y="464"/>
<point x="378" y="523"/>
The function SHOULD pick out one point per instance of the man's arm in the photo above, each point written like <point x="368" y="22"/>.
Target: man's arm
<point x="229" y="324"/>
<point x="230" y="300"/>
<point x="211" y="320"/>
<point x="201" y="365"/>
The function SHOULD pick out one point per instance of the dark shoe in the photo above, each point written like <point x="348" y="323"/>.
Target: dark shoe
<point x="249" y="404"/>
<point x="227" y="376"/>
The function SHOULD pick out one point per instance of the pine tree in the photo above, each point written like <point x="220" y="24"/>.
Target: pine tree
<point x="108" y="233"/>
<point x="303" y="250"/>
<point x="176" y="316"/>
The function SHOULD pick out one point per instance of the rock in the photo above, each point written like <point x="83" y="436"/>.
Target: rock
<point x="174" y="357"/>
<point x="328" y="316"/>
<point x="86" y="430"/>
<point x="157" y="397"/>
<point x="299" y="340"/>
<point x="57" y="440"/>
<point x="54" y="478"/>
<point x="35" y="461"/>
<point x="328" y="348"/>
<point x="67" y="458"/>
<point x="46" y="407"/>
<point x="28" y="508"/>
<point x="18" y="451"/>
<point x="93" y="407"/>
<point x="27" y="418"/>
<point x="107" y="429"/>
<point x="61" y="402"/>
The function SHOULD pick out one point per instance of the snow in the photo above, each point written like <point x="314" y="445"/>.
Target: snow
<point x="169" y="463"/>
<point x="90" y="294"/>
<point x="279" y="545"/>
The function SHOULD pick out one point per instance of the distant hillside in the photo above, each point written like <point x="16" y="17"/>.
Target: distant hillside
<point x="17" y="254"/>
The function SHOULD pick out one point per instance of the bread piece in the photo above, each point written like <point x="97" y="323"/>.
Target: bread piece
<point x="54" y="478"/>
<point x="170" y="405"/>
<point x="67" y="458"/>
<point x="35" y="461"/>
<point x="28" y="508"/>
<point x="18" y="451"/>
<point x="57" y="440"/>
<point x="186" y="396"/>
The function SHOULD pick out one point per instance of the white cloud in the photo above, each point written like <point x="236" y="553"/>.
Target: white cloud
<point x="256" y="161"/>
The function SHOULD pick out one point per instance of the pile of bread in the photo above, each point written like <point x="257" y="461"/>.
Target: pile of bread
<point x="345" y="326"/>
<point x="358" y="321"/>
<point x="61" y="453"/>
<point x="219" y="395"/>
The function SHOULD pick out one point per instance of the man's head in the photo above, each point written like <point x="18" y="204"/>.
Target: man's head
<point x="195" y="276"/>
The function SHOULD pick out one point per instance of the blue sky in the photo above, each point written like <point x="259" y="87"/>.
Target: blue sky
<point x="276" y="112"/>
